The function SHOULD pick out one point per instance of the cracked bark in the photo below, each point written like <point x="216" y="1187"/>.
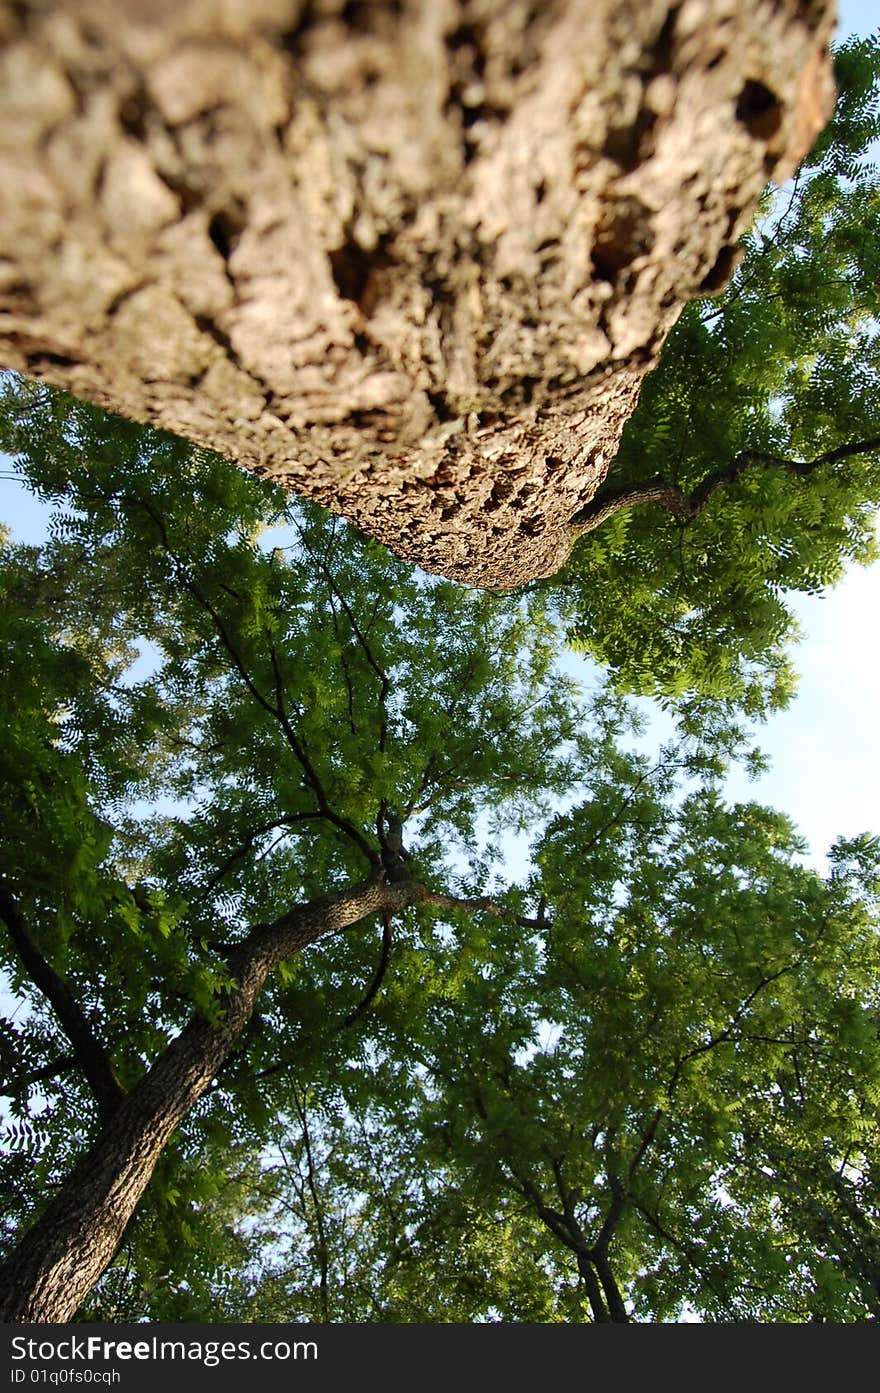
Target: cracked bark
<point x="411" y="260"/>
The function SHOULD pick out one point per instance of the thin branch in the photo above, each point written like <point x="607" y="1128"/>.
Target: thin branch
<point x="746" y="281"/>
<point x="403" y="1243"/>
<point x="416" y="800"/>
<point x="190" y="586"/>
<point x="565" y="1196"/>
<point x="686" y="507"/>
<point x="678" y="1068"/>
<point x="358" y="1011"/>
<point x="728" y="1030"/>
<point x="248" y="844"/>
<point x="316" y="1201"/>
<point x="346" y="670"/>
<point x="18" y="1083"/>
<point x="483" y="905"/>
<point x="678" y="1244"/>
<point x="90" y="1053"/>
<point x="277" y="712"/>
<point x="384" y="683"/>
<point x="616" y="816"/>
<point x="343" y="824"/>
<point x="378" y="976"/>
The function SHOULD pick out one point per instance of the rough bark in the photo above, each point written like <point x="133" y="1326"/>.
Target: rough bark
<point x="59" y="1260"/>
<point x="410" y="258"/>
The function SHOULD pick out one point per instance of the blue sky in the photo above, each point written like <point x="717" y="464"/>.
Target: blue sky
<point x="825" y="749"/>
<point x="857" y="16"/>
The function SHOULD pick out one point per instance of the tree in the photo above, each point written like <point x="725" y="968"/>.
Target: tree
<point x="748" y="469"/>
<point x="324" y="739"/>
<point x="328" y="727"/>
<point x="410" y="260"/>
<point x="677" y="1079"/>
<point x="327" y="739"/>
<point x="660" y="1098"/>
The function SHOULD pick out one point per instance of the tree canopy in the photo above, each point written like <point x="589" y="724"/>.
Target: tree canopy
<point x="306" y="706"/>
<point x="662" y="1101"/>
<point x="630" y="1077"/>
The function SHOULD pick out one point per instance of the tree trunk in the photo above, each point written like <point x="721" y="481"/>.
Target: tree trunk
<point x="411" y="258"/>
<point x="59" y="1260"/>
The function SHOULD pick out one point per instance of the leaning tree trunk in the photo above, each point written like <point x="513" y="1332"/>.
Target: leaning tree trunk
<point x="59" y="1260"/>
<point x="411" y="258"/>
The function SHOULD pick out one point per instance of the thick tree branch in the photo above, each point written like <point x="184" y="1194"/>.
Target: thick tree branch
<point x="616" y="1308"/>
<point x="588" y="1277"/>
<point x="90" y="1054"/>
<point x="378" y="424"/>
<point x="555" y="1221"/>
<point x="65" y="1252"/>
<point x="611" y="1220"/>
<point x="686" y="507"/>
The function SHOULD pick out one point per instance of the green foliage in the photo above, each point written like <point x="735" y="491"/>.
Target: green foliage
<point x="785" y="364"/>
<point x="647" y="1071"/>
<point x="291" y="701"/>
<point x="615" y="1038"/>
<point x="681" y="1064"/>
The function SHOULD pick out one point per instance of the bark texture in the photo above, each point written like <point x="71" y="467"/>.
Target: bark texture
<point x="410" y="258"/>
